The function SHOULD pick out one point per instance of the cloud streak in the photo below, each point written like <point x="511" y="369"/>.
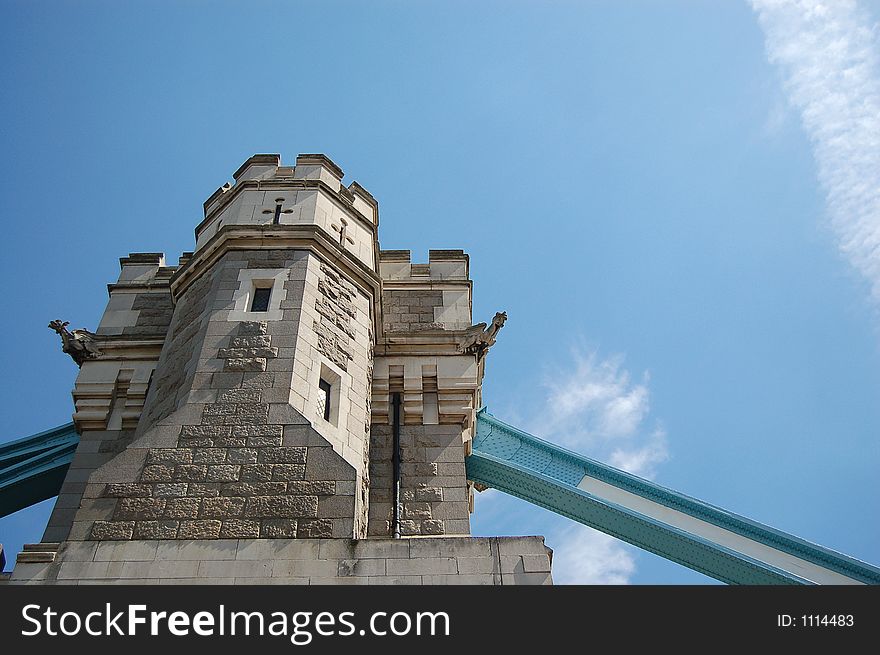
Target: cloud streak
<point x="827" y="52"/>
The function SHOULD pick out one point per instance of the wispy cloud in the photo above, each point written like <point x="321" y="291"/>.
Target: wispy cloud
<point x="827" y="52"/>
<point x="599" y="411"/>
<point x="584" y="556"/>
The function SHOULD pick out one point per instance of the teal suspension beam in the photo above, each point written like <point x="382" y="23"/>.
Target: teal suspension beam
<point x="33" y="469"/>
<point x="718" y="543"/>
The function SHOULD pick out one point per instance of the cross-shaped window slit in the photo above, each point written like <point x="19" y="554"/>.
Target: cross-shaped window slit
<point x="343" y="237"/>
<point x="276" y="219"/>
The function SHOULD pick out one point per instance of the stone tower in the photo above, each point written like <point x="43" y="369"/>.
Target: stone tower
<point x="289" y="403"/>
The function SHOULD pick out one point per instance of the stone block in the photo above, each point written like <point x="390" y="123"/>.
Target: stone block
<point x="241" y="456"/>
<point x="305" y="568"/>
<point x="190" y="472"/>
<point x="126" y="490"/>
<point x="83" y="570"/>
<point x="223" y="549"/>
<point x="312" y="488"/>
<point x="263" y="442"/>
<point x="325" y="464"/>
<point x="231" y="442"/>
<point x="169" y="456"/>
<point x="209" y="456"/>
<point x="201" y="529"/>
<point x="182" y="508"/>
<point x="170" y="489"/>
<point x="159" y="473"/>
<point x="317" y="528"/>
<point x="432" y="526"/>
<point x="204" y="431"/>
<point x="81" y="551"/>
<point x="164" y="529"/>
<point x="257" y="380"/>
<point x="248" y="431"/>
<point x="288" y="471"/>
<point x="239" y="529"/>
<point x="422" y="566"/>
<point x="222" y="507"/>
<point x="536" y="563"/>
<point x="252" y="328"/>
<point x="223" y="473"/>
<point x="161" y="569"/>
<point x="140" y="508"/>
<point x="256" y="341"/>
<point x="526" y="579"/>
<point x="457" y="547"/>
<point x="237" y="568"/>
<point x="360" y="567"/>
<point x="336" y="507"/>
<point x="282" y="455"/>
<point x="257" y="472"/>
<point x="429" y="494"/>
<point x="253" y="488"/>
<point x="275" y="528"/>
<point x="410" y="528"/>
<point x="110" y="530"/>
<point x="204" y="490"/>
<point x="281" y="506"/>
<point x="245" y="364"/>
<point x="416" y="511"/>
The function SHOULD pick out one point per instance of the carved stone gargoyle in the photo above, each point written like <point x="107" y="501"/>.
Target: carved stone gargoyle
<point x="478" y="338"/>
<point x="79" y="344"/>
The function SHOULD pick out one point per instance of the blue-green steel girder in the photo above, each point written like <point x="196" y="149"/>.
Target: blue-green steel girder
<point x="542" y="473"/>
<point x="33" y="469"/>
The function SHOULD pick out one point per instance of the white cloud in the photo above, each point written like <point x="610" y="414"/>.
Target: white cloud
<point x="599" y="411"/>
<point x="827" y="52"/>
<point x="582" y="555"/>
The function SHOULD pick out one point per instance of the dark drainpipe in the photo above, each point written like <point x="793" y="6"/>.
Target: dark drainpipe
<point x="395" y="520"/>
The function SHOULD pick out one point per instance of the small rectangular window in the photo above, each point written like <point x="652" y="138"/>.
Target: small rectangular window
<point x="324" y="399"/>
<point x="260" y="299"/>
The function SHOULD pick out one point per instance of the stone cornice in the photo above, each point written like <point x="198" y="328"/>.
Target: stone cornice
<point x="122" y="347"/>
<point x="140" y="287"/>
<point x="427" y="284"/>
<point x="427" y="342"/>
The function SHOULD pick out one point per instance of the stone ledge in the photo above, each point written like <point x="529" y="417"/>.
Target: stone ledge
<point x="417" y="560"/>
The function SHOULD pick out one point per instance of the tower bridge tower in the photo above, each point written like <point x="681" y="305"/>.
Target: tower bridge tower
<point x="288" y="403"/>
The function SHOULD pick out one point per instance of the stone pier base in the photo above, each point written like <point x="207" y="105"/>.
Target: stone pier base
<point x="415" y="561"/>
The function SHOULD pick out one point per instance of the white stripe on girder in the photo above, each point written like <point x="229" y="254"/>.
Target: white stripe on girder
<point x="713" y="533"/>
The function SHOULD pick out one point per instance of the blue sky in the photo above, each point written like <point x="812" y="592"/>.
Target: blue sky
<point x="674" y="203"/>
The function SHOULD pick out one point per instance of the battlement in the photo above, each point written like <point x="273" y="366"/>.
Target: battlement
<point x="266" y="172"/>
<point x="442" y="265"/>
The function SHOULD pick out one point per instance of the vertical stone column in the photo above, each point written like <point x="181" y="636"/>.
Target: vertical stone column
<point x="425" y="310"/>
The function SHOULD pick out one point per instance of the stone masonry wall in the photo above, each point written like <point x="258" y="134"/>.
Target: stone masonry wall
<point x="229" y="476"/>
<point x="95" y="448"/>
<point x="411" y="311"/>
<point x="433" y="481"/>
<point x="233" y="456"/>
<point x="154" y="311"/>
